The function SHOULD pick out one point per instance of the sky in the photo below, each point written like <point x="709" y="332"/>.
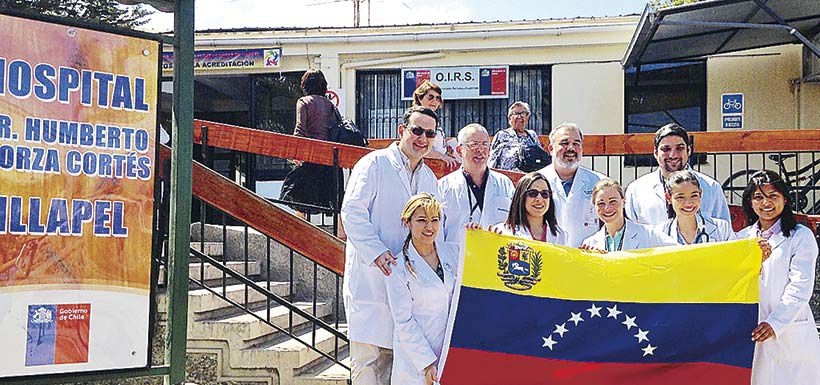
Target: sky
<point x="216" y="14"/>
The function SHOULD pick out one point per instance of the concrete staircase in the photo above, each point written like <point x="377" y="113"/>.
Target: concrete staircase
<point x="237" y="345"/>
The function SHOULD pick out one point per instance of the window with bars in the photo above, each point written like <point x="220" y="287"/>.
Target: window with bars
<point x="379" y="107"/>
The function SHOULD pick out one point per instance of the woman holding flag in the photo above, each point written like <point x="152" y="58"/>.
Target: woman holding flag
<point x="532" y="214"/>
<point x="788" y="348"/>
<point x="618" y="232"/>
<point x="419" y="293"/>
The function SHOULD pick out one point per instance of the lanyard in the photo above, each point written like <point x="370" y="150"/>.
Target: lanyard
<point x="473" y="207"/>
<point x="620" y="242"/>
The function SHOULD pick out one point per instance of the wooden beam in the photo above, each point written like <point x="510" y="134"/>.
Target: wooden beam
<point x="711" y="142"/>
<point x="287" y="229"/>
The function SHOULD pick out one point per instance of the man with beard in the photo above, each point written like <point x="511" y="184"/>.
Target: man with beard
<point x="646" y="198"/>
<point x="571" y="184"/>
<point x="473" y="193"/>
<point x="379" y="186"/>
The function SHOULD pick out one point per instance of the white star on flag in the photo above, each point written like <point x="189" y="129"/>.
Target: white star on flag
<point x="576" y="317"/>
<point x="548" y="342"/>
<point x="613" y="311"/>
<point x="594" y="311"/>
<point x="649" y="350"/>
<point x="641" y="336"/>
<point x="630" y="322"/>
<point x="561" y="329"/>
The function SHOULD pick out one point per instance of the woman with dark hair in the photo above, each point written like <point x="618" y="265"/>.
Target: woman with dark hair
<point x="419" y="293"/>
<point x="687" y="224"/>
<point x="315" y="118"/>
<point x="532" y="214"/>
<point x="787" y="347"/>
<point x="428" y="94"/>
<point x="618" y="232"/>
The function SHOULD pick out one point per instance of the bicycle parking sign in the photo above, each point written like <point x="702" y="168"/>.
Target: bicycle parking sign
<point x="732" y="107"/>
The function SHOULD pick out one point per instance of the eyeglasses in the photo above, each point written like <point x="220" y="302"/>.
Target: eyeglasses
<point x="418" y="131"/>
<point x="532" y="193"/>
<point x="476" y="145"/>
<point x="520" y="114"/>
<point x="431" y="97"/>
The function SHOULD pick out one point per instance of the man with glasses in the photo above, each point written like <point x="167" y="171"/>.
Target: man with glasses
<point x="506" y="143"/>
<point x="473" y="193"/>
<point x="380" y="184"/>
<point x="646" y="198"/>
<point x="571" y="184"/>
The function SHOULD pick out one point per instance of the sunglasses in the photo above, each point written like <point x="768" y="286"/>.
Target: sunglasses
<point x="532" y="193"/>
<point x="432" y="97"/>
<point x="418" y="131"/>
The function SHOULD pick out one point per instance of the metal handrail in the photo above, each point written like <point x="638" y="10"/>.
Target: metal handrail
<point x="281" y="301"/>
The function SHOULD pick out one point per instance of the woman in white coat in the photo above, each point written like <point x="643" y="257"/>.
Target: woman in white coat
<point x="532" y="214"/>
<point x="419" y="294"/>
<point x="788" y="348"/>
<point x="688" y="225"/>
<point x="619" y="233"/>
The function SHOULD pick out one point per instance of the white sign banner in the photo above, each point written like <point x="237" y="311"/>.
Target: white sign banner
<point x="485" y="82"/>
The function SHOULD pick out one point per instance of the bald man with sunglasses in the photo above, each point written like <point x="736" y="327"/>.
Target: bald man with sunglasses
<point x="380" y="185"/>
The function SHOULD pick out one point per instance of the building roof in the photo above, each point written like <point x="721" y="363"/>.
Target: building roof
<point x="715" y="27"/>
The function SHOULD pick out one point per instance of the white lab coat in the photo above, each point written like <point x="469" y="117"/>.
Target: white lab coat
<point x="646" y="200"/>
<point x="636" y="236"/>
<point x="575" y="212"/>
<point x="709" y="229"/>
<point x="456" y="197"/>
<point x="420" y="307"/>
<point x="560" y="238"/>
<point x="786" y="284"/>
<point x="377" y="191"/>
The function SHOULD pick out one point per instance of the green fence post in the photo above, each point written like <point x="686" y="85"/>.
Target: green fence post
<point x="181" y="158"/>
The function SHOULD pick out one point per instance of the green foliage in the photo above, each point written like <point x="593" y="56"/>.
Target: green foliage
<point x="670" y="3"/>
<point x="102" y="11"/>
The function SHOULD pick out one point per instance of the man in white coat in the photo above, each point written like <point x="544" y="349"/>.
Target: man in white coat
<point x="379" y="186"/>
<point x="645" y="197"/>
<point x="473" y="193"/>
<point x="571" y="184"/>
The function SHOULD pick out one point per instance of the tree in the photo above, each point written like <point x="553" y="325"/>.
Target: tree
<point x="658" y="4"/>
<point x="102" y="11"/>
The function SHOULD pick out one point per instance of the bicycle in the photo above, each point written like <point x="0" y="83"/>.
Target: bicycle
<point x="734" y="185"/>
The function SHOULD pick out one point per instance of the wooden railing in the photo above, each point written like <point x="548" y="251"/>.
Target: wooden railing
<point x="267" y="218"/>
<point x="329" y="251"/>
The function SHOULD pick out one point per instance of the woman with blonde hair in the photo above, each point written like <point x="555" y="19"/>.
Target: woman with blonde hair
<point x="618" y="232"/>
<point x="419" y="293"/>
<point x="428" y="94"/>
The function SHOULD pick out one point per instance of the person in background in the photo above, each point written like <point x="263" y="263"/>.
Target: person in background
<point x="428" y="94"/>
<point x="506" y="143"/>
<point x="646" y="198"/>
<point x="572" y="195"/>
<point x="419" y="294"/>
<point x="315" y="117"/>
<point x="788" y="348"/>
<point x="618" y="233"/>
<point x="474" y="193"/>
<point x="532" y="216"/>
<point x="380" y="184"/>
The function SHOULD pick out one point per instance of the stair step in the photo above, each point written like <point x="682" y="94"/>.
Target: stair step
<point x="212" y="249"/>
<point x="203" y="300"/>
<point x="246" y="327"/>
<point x="326" y="374"/>
<point x="211" y="272"/>
<point x="290" y="353"/>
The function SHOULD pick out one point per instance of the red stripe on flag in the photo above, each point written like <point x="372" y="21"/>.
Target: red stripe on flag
<point x="476" y="367"/>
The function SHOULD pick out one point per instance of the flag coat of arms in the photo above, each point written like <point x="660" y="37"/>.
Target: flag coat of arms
<point x="534" y="313"/>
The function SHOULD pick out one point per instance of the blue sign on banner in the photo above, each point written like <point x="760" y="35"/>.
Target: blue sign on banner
<point x="732" y="104"/>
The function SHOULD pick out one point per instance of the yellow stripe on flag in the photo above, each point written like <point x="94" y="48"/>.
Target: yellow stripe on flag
<point x="724" y="272"/>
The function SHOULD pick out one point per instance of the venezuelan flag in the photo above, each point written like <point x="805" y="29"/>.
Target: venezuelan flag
<point x="535" y="313"/>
